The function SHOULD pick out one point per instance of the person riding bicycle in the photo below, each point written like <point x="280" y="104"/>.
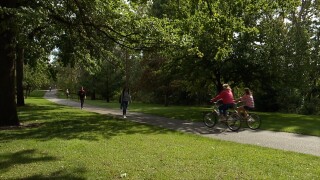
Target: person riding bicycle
<point x="248" y="102"/>
<point x="226" y="96"/>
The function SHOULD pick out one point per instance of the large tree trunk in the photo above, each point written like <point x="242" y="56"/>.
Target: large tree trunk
<point x="8" y="109"/>
<point x="19" y="74"/>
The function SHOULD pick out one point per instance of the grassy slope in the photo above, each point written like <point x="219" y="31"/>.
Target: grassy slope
<point x="67" y="143"/>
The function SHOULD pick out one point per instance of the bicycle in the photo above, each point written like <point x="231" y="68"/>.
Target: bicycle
<point x="252" y="120"/>
<point x="232" y="121"/>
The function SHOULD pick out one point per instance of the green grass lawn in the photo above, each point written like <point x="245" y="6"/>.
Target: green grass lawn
<point x="293" y="123"/>
<point x="60" y="142"/>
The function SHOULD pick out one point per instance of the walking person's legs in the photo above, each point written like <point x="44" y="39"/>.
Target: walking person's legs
<point x="81" y="103"/>
<point x="223" y="111"/>
<point x="124" y="108"/>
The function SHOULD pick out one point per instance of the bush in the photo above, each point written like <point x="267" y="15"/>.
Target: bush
<point x="311" y="107"/>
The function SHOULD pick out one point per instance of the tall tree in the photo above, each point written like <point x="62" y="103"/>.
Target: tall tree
<point x="97" y="25"/>
<point x="8" y="32"/>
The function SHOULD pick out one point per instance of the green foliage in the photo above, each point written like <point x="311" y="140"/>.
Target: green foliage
<point x="254" y="44"/>
<point x="36" y="77"/>
<point x="198" y="54"/>
<point x="37" y="93"/>
<point x="311" y="106"/>
<point x="179" y="51"/>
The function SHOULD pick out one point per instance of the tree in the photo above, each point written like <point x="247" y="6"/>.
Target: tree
<point x="36" y="77"/>
<point x="202" y="39"/>
<point x="8" y="33"/>
<point x="97" y="25"/>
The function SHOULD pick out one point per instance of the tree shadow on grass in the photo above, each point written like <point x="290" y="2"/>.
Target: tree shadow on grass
<point x="48" y="122"/>
<point x="8" y="160"/>
<point x="25" y="157"/>
<point x="74" y="175"/>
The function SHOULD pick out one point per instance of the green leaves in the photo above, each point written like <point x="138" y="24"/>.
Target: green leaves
<point x="191" y="43"/>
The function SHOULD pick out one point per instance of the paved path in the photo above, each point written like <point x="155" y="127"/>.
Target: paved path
<point x="277" y="140"/>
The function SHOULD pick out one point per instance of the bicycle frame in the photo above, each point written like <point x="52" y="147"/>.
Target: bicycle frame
<point x="212" y="118"/>
<point x="252" y="120"/>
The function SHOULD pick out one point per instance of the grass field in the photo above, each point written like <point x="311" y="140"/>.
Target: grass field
<point x="293" y="123"/>
<point x="60" y="142"/>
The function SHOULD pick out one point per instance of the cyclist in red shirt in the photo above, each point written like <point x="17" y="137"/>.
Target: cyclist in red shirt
<point x="226" y="96"/>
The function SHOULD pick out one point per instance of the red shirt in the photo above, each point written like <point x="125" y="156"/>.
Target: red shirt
<point x="226" y="96"/>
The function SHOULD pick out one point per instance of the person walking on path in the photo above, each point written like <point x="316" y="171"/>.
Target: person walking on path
<point x="82" y="96"/>
<point x="124" y="100"/>
<point x="67" y="93"/>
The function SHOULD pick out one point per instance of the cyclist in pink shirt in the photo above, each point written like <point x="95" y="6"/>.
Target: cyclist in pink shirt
<point x="248" y="102"/>
<point x="226" y="96"/>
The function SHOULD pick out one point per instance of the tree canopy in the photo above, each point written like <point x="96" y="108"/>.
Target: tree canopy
<point x="168" y="51"/>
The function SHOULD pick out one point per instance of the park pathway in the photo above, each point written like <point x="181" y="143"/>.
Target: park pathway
<point x="277" y="140"/>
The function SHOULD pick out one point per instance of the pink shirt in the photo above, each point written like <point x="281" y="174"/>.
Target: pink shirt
<point x="248" y="100"/>
<point x="226" y="96"/>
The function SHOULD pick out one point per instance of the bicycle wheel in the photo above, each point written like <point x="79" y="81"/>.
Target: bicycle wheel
<point x="234" y="122"/>
<point x="253" y="121"/>
<point x="210" y="119"/>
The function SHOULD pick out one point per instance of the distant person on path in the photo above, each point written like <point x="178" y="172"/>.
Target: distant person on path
<point x="226" y="96"/>
<point x="248" y="102"/>
<point x="50" y="88"/>
<point x="124" y="100"/>
<point x="67" y="93"/>
<point x="82" y="96"/>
